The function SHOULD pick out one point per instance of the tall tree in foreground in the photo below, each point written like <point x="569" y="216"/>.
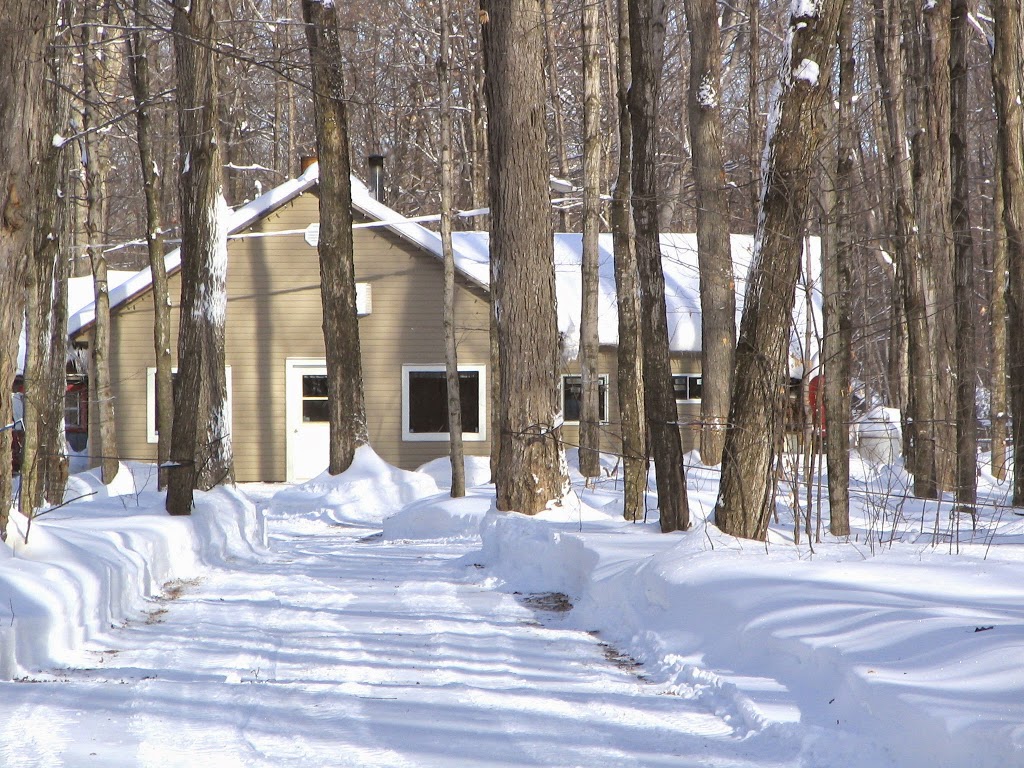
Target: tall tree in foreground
<point x="836" y="274"/>
<point x="531" y="471"/>
<point x="200" y="438"/>
<point x="99" y="68"/>
<point x="346" y="405"/>
<point x="963" y="264"/>
<point x="919" y="417"/>
<point x="714" y="250"/>
<point x="1007" y="63"/>
<point x="44" y="467"/>
<point x="451" y="358"/>
<point x="590" y="412"/>
<point x="647" y="46"/>
<point x="928" y="107"/>
<point x="630" y="354"/>
<point x="746" y="497"/>
<point x="24" y="29"/>
<point x="140" y="59"/>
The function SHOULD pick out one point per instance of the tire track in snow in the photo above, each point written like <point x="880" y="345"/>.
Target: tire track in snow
<point x="333" y="652"/>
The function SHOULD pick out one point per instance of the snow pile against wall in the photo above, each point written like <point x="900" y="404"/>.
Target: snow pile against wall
<point x="363" y="494"/>
<point x="89" y="566"/>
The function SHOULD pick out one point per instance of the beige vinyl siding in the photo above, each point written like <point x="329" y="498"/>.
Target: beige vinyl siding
<point x="274" y="314"/>
<point x="611" y="435"/>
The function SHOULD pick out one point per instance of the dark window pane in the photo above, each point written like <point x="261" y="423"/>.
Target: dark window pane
<point x="687" y="387"/>
<point x="572" y="400"/>
<point x="428" y="401"/>
<point x="72" y="413"/>
<point x="314" y="410"/>
<point x="314" y="386"/>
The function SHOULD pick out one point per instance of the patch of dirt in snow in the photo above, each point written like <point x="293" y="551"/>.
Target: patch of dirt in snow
<point x="554" y="602"/>
<point x="623" y="661"/>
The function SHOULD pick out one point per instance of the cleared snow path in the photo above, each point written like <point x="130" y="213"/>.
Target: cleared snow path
<point x="343" y="649"/>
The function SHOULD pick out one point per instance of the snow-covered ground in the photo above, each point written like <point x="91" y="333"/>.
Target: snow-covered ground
<point x="370" y="620"/>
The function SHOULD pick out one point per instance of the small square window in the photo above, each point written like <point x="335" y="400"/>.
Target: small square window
<point x="687" y="387"/>
<point x="572" y="398"/>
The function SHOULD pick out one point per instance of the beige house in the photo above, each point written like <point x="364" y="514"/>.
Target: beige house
<point x="275" y="350"/>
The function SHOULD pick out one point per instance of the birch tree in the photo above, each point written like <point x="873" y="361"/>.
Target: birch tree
<point x="346" y="404"/>
<point x="201" y="453"/>
<point x="531" y="471"/>
<point x="746" y="497"/>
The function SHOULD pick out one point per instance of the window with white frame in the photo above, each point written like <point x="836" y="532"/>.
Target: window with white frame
<point x="687" y="387"/>
<point x="152" y="412"/>
<point x="425" y="402"/>
<point x="572" y="398"/>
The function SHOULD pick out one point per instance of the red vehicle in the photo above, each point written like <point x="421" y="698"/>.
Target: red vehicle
<point x="76" y="417"/>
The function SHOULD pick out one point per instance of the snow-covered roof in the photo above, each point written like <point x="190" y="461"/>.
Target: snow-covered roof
<point x="471" y="251"/>
<point x="682" y="288"/>
<point x="80" y="296"/>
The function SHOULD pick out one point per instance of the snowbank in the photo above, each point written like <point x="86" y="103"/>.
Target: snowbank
<point x="364" y="494"/>
<point x="78" y="570"/>
<point x="897" y="647"/>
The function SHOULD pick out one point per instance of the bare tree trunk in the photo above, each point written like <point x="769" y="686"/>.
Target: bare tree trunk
<point x="754" y="129"/>
<point x="479" y="144"/>
<point x="451" y="359"/>
<point x="838" y="341"/>
<point x="963" y="267"/>
<point x="558" y="122"/>
<point x="44" y="455"/>
<point x="999" y="410"/>
<point x="746" y="498"/>
<point x="96" y="55"/>
<point x="714" y="249"/>
<point x="920" y="411"/>
<point x="1007" y="63"/>
<point x="140" y="57"/>
<point x="25" y="26"/>
<point x="346" y="405"/>
<point x="200" y="437"/>
<point x="590" y="415"/>
<point x="647" y="36"/>
<point x="630" y="357"/>
<point x="929" y="107"/>
<point x="531" y="471"/>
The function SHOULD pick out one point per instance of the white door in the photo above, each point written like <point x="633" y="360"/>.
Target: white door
<point x="306" y="419"/>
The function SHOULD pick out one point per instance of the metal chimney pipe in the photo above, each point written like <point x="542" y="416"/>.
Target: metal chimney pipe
<point x="376" y="185"/>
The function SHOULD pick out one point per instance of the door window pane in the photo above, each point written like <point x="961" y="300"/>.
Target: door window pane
<point x="314" y="398"/>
